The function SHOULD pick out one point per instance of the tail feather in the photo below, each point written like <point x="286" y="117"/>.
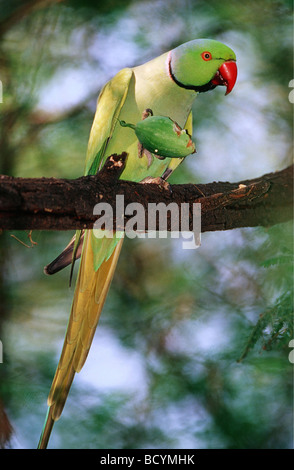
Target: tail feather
<point x="61" y="393"/>
<point x="90" y="294"/>
<point x="65" y="258"/>
<point x="49" y="422"/>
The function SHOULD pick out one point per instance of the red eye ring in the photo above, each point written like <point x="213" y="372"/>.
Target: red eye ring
<point x="206" y="55"/>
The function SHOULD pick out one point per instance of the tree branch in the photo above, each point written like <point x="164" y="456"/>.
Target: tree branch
<point x="61" y="204"/>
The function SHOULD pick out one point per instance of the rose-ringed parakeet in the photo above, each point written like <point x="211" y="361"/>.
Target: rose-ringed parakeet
<point x="167" y="85"/>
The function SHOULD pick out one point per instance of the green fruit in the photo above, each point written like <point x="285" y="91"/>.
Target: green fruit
<point x="163" y="136"/>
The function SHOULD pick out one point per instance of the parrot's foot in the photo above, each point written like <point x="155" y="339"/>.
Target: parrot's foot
<point x="159" y="181"/>
<point x="142" y="151"/>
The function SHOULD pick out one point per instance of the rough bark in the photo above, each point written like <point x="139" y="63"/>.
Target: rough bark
<point x="61" y="204"/>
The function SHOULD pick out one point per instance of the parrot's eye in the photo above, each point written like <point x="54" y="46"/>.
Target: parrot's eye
<point x="206" y="55"/>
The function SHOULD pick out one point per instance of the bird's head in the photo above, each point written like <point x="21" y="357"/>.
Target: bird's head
<point x="202" y="64"/>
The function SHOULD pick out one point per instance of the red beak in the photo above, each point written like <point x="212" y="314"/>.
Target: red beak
<point x="226" y="75"/>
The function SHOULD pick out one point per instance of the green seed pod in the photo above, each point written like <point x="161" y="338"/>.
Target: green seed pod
<point x="163" y="136"/>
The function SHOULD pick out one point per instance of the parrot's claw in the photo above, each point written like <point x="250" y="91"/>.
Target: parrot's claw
<point x="142" y="151"/>
<point x="159" y="181"/>
<point x="159" y="157"/>
<point x="146" y="113"/>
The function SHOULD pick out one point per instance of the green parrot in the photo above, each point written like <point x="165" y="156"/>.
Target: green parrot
<point x="168" y="85"/>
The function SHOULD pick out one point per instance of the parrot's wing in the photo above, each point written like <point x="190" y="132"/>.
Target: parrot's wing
<point x="110" y="102"/>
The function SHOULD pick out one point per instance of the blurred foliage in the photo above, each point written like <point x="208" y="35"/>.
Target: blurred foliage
<point x="192" y="347"/>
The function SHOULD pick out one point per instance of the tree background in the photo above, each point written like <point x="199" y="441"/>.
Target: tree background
<point x="192" y="347"/>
